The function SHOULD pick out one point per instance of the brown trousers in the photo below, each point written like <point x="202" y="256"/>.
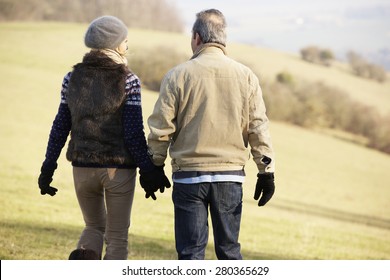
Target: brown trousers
<point x="105" y="196"/>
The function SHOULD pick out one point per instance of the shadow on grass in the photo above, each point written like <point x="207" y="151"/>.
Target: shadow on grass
<point x="27" y="240"/>
<point x="157" y="249"/>
<point x="304" y="208"/>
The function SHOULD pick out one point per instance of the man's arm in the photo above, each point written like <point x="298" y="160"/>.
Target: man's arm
<point x="258" y="133"/>
<point x="162" y="123"/>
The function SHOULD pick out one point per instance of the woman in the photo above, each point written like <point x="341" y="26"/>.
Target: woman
<point x="101" y="107"/>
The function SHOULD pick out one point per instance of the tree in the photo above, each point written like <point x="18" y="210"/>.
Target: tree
<point x="316" y="55"/>
<point x="153" y="14"/>
<point x="362" y="68"/>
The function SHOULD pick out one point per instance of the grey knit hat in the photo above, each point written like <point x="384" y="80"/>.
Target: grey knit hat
<point x="106" y="32"/>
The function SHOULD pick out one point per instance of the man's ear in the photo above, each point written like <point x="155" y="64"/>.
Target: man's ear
<point x="197" y="39"/>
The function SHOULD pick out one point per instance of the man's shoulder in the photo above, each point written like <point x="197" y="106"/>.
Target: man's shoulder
<point x="180" y="69"/>
<point x="240" y="65"/>
<point x="191" y="67"/>
<point x="245" y="70"/>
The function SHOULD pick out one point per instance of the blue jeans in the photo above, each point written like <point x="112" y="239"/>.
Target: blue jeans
<point x="191" y="203"/>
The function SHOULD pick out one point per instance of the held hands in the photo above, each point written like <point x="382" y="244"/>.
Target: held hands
<point x="154" y="180"/>
<point x="265" y="187"/>
<point x="44" y="180"/>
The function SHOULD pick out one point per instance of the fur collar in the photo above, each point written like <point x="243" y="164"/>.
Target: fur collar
<point x="98" y="59"/>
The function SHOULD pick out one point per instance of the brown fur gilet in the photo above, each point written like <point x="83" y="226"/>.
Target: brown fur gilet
<point x="96" y="95"/>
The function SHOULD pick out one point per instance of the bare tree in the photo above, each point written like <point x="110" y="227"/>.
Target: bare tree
<point x="316" y="55"/>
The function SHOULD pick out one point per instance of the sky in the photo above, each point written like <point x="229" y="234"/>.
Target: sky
<point x="362" y="26"/>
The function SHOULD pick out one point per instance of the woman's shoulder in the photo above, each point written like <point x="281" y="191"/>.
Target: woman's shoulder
<point x="131" y="77"/>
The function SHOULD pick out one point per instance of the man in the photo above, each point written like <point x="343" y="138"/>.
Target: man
<point x="208" y="110"/>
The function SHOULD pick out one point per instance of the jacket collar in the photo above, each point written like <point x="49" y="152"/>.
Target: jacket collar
<point x="203" y="47"/>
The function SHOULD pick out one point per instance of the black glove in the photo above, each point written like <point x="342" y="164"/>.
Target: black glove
<point x="153" y="180"/>
<point x="265" y="186"/>
<point x="44" y="180"/>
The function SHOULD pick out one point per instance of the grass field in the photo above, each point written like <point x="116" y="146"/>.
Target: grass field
<point x="332" y="198"/>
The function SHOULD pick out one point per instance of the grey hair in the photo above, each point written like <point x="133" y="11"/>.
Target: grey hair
<point x="211" y="26"/>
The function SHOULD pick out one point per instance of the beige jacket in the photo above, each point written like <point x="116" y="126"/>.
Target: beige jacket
<point x="208" y="110"/>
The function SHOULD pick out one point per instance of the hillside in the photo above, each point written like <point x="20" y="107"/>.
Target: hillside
<point x="267" y="62"/>
<point x="332" y="196"/>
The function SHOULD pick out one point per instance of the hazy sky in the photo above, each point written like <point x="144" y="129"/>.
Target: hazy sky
<point x="289" y="25"/>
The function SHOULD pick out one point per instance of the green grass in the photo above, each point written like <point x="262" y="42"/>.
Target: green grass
<point x="332" y="198"/>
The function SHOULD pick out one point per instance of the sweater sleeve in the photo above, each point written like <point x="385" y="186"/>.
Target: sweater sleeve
<point x="60" y="129"/>
<point x="134" y="134"/>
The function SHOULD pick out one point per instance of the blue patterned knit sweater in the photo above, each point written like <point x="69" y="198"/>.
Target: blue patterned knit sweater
<point x="132" y="121"/>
